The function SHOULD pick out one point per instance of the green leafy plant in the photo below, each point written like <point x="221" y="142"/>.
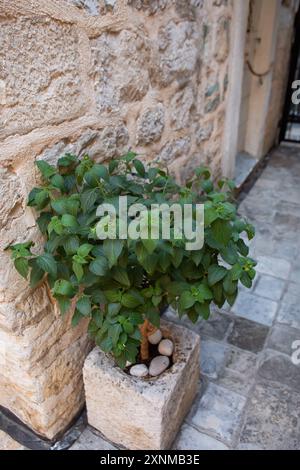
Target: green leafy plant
<point x="121" y="284"/>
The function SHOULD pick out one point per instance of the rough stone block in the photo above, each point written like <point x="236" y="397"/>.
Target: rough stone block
<point x="191" y="439"/>
<point x="40" y="74"/>
<point x="137" y="413"/>
<point x="255" y="308"/>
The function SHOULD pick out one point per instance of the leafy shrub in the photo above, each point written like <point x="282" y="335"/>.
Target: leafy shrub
<point x="118" y="283"/>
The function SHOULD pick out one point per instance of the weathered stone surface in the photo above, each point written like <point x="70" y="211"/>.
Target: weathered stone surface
<point x="191" y="439"/>
<point x="94" y="7"/>
<point x="112" y="55"/>
<point x="142" y="414"/>
<point x="99" y="144"/>
<point x="222" y="38"/>
<point x="219" y="412"/>
<point x="149" y="6"/>
<point x="11" y="196"/>
<point x="150" y="125"/>
<point x="255" y="308"/>
<point x="41" y="74"/>
<point x="177" y="55"/>
<point x="204" y="132"/>
<point x="238" y="372"/>
<point x="180" y="108"/>
<point x="272" y="418"/>
<point x="248" y="335"/>
<point x="174" y="149"/>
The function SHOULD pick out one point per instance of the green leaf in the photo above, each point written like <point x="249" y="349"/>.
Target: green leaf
<point x="138" y="165"/>
<point x="203" y="310"/>
<point x="99" y="266"/>
<point x="229" y="253"/>
<point x="64" y="304"/>
<point x="242" y="247"/>
<point x="67" y="160"/>
<point x="88" y="199"/>
<point x="42" y="199"/>
<point x="63" y="287"/>
<point x="36" y="274"/>
<point x="69" y="220"/>
<point x="131" y="300"/>
<point x="83" y="305"/>
<point x="43" y="220"/>
<point x="112" y="295"/>
<point x="106" y="344"/>
<point x="215" y="274"/>
<point x="230" y="286"/>
<point x="236" y="271"/>
<point x="46" y="170"/>
<point x="221" y="231"/>
<point x="21" y="265"/>
<point x="114" y="332"/>
<point x="113" y="309"/>
<point x="47" y="263"/>
<point x="84" y="249"/>
<point x="153" y="316"/>
<point x="71" y="244"/>
<point x="32" y="195"/>
<point x="58" y="182"/>
<point x="112" y="250"/>
<point x="186" y="300"/>
<point x="149" y="244"/>
<point x="120" y="275"/>
<point x="100" y="171"/>
<point x="245" y="280"/>
<point x="78" y="270"/>
<point x="55" y="225"/>
<point x="76" y="318"/>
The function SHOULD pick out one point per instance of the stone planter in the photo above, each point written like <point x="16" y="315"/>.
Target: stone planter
<point x="143" y="413"/>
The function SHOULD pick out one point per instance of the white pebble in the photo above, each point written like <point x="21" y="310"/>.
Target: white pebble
<point x="158" y="365"/>
<point x="155" y="337"/>
<point x="166" y="347"/>
<point x="139" y="370"/>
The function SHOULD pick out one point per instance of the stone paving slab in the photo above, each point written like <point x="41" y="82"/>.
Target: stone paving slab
<point x="272" y="419"/>
<point x="249" y="335"/>
<point x="219" y="412"/>
<point x="190" y="438"/>
<point x="273" y="266"/>
<point x="255" y="308"/>
<point x="278" y="367"/>
<point x="282" y="337"/>
<point x="269" y="287"/>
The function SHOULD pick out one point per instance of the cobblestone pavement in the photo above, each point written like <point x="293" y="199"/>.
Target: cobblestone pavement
<point x="249" y="393"/>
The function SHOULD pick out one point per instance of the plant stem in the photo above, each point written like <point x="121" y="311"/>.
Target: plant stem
<point x="146" y="329"/>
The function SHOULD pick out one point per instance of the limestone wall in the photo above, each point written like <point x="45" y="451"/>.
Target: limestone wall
<point x="97" y="77"/>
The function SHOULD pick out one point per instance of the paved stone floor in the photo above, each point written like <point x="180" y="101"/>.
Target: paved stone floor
<point x="249" y="393"/>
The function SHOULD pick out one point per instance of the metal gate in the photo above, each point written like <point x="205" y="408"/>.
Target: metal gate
<point x="290" y="124"/>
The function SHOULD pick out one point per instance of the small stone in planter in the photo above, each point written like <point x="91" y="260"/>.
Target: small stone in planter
<point x="158" y="365"/>
<point x="139" y="370"/>
<point x="155" y="337"/>
<point x="166" y="347"/>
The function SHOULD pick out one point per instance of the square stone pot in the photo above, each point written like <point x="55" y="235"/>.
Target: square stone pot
<point x="143" y="413"/>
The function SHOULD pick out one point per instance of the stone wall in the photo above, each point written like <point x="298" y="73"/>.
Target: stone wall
<point x="97" y="77"/>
